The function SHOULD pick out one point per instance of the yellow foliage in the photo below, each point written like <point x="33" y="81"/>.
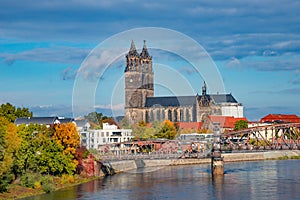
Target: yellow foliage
<point x="68" y="136"/>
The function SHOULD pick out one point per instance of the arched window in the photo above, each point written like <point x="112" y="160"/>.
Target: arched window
<point x="170" y="115"/>
<point x="187" y="119"/>
<point x="157" y="115"/>
<point x="175" y="115"/>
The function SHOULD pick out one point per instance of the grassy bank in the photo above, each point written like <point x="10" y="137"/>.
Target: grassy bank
<point x="16" y="191"/>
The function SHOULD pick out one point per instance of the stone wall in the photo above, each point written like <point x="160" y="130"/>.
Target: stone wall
<point x="127" y="165"/>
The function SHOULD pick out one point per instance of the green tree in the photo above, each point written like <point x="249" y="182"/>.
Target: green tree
<point x="11" y="113"/>
<point x="167" y="131"/>
<point x="240" y="124"/>
<point x="39" y="153"/>
<point x="125" y="123"/>
<point x="94" y="117"/>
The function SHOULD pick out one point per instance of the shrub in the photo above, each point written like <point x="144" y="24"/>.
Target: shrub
<point x="29" y="179"/>
<point x="48" y="187"/>
<point x="47" y="184"/>
<point x="65" y="178"/>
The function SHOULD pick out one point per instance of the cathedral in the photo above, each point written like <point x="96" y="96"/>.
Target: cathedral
<point x="140" y="103"/>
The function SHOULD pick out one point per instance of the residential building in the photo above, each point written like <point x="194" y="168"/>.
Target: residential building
<point x="110" y="134"/>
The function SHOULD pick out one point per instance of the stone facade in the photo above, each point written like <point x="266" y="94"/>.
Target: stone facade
<point x="140" y="103"/>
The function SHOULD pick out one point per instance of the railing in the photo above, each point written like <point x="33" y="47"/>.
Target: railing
<point x="154" y="156"/>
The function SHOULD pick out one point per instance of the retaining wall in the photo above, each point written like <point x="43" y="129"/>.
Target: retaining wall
<point x="127" y="165"/>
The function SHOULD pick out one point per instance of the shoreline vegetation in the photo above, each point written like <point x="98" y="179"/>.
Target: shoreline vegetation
<point x="16" y="191"/>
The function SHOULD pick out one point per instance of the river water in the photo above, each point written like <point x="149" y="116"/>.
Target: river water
<point x="246" y="180"/>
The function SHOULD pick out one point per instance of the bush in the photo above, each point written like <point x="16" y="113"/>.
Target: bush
<point x="37" y="181"/>
<point x="48" y="187"/>
<point x="5" y="180"/>
<point x="29" y="179"/>
<point x="47" y="184"/>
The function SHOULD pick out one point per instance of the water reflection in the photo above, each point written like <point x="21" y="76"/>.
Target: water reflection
<point x="248" y="180"/>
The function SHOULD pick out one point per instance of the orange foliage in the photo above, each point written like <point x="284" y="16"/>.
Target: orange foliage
<point x="68" y="136"/>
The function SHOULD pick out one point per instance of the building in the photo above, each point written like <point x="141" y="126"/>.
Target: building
<point x="226" y="122"/>
<point x="48" y="121"/>
<point x="280" y="118"/>
<point x="94" y="139"/>
<point x="140" y="103"/>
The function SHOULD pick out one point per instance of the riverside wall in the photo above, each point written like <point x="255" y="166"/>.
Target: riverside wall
<point x="127" y="165"/>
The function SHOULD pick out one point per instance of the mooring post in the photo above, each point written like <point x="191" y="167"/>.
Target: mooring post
<point x="217" y="163"/>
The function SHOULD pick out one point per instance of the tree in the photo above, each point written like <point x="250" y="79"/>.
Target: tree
<point x="68" y="136"/>
<point x="240" y="124"/>
<point x="39" y="153"/>
<point x="11" y="113"/>
<point x="168" y="131"/>
<point x="9" y="143"/>
<point x="124" y="123"/>
<point x="94" y="117"/>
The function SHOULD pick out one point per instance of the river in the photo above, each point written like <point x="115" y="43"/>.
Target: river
<point x="245" y="180"/>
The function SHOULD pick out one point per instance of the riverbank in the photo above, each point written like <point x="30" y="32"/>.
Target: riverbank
<point x="16" y="191"/>
<point x="128" y="165"/>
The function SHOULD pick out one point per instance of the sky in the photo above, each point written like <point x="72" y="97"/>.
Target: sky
<point x="255" y="46"/>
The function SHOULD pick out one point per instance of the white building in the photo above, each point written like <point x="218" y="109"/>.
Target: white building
<point x="232" y="109"/>
<point x="110" y="134"/>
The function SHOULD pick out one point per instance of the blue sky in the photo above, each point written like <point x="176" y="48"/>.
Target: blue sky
<point x="255" y="45"/>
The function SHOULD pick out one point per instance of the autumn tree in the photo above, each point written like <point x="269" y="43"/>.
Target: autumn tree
<point x="9" y="143"/>
<point x="11" y="113"/>
<point x="67" y="136"/>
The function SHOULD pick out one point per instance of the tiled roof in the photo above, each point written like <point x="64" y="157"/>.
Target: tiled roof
<point x="190" y="125"/>
<point x="174" y="101"/>
<point x="170" y="101"/>
<point x="65" y="120"/>
<point x="36" y="120"/>
<point x="81" y="122"/>
<point x="226" y="121"/>
<point x="223" y="98"/>
<point x="280" y="118"/>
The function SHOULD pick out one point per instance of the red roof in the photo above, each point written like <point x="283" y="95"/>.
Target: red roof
<point x="190" y="125"/>
<point x="226" y="121"/>
<point x="280" y="118"/>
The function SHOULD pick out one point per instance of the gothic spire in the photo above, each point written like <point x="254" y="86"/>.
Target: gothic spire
<point x="144" y="53"/>
<point x="133" y="51"/>
<point x="204" y="89"/>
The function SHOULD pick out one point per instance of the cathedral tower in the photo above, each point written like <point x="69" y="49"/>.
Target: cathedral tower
<point x="138" y="82"/>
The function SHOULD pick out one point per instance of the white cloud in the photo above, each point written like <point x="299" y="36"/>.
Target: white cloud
<point x="64" y="54"/>
<point x="116" y="107"/>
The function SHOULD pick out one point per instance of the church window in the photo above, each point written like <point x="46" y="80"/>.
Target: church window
<point x="170" y="115"/>
<point x="151" y="115"/>
<point x="187" y="115"/>
<point x="158" y="114"/>
<point x="175" y="116"/>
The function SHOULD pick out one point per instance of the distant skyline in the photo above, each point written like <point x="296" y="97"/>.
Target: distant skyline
<point x="255" y="45"/>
